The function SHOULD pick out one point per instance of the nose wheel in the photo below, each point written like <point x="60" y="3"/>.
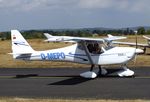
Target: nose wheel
<point x="125" y="72"/>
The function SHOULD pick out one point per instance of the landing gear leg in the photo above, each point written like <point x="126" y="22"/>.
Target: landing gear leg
<point x="144" y="49"/>
<point x="91" y="73"/>
<point x="92" y="66"/>
<point x="102" y="71"/>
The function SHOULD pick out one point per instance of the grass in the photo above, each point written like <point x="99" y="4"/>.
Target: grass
<point x="38" y="44"/>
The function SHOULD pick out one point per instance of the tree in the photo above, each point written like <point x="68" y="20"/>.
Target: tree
<point x="141" y="30"/>
<point x="148" y="31"/>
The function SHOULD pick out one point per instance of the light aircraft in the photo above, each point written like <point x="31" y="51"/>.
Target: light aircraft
<point x="86" y="51"/>
<point x="51" y="38"/>
<point x="135" y="44"/>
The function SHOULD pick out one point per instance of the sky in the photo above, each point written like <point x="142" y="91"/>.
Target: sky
<point x="59" y="14"/>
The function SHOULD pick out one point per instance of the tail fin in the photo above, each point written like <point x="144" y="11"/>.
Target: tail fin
<point x="113" y="38"/>
<point x="109" y="35"/>
<point x="19" y="44"/>
<point x="48" y="35"/>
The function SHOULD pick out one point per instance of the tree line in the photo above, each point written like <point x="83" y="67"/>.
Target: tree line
<point x="30" y="34"/>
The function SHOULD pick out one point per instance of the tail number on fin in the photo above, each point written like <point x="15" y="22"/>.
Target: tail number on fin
<point x="53" y="56"/>
<point x="20" y="43"/>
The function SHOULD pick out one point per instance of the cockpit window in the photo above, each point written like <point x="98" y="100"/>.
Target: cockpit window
<point x="93" y="47"/>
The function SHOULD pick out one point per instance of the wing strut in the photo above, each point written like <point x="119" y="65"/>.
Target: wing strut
<point x="91" y="73"/>
<point x="87" y="53"/>
<point x="88" y="74"/>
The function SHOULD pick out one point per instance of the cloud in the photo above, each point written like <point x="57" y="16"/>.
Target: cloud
<point x="23" y="5"/>
<point x="140" y="6"/>
<point x="90" y="4"/>
<point x="28" y="5"/>
<point x="125" y="5"/>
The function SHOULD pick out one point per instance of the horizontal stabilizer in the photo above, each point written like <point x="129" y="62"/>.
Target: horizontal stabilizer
<point x="19" y="53"/>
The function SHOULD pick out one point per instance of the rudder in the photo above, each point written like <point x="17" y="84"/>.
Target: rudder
<point x="19" y="44"/>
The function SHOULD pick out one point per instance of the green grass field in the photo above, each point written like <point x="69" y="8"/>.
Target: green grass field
<point x="38" y="44"/>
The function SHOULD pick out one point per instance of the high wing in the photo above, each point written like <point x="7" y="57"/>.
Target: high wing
<point x="78" y="39"/>
<point x="69" y="38"/>
<point x="134" y="44"/>
<point x="110" y="38"/>
<point x="131" y="44"/>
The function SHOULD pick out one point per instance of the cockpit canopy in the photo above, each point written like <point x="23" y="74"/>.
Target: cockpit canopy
<point x="93" y="47"/>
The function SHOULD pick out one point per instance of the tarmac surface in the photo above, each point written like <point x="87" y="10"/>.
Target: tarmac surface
<point x="66" y="83"/>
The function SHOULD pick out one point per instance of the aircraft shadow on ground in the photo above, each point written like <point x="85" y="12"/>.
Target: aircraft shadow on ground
<point x="26" y="75"/>
<point x="147" y="53"/>
<point x="72" y="80"/>
<point x="77" y="80"/>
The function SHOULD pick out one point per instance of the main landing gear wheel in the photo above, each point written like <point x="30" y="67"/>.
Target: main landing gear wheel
<point x="125" y="72"/>
<point x="89" y="75"/>
<point x="93" y="73"/>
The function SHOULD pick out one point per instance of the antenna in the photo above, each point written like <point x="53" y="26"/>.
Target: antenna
<point x="136" y="38"/>
<point x="135" y="32"/>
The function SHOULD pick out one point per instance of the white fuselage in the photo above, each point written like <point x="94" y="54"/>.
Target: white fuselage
<point x="116" y="55"/>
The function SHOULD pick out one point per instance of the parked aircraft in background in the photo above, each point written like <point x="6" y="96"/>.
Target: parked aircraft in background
<point x="86" y="51"/>
<point x="134" y="44"/>
<point x="51" y="38"/>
